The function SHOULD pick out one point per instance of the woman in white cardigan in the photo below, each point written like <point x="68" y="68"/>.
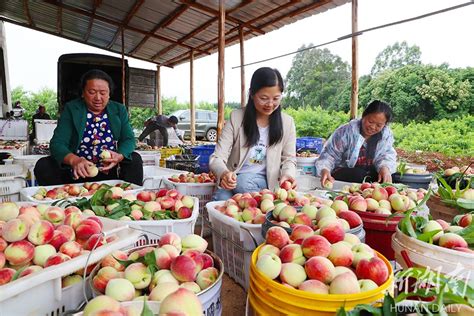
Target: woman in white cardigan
<point x="256" y="149"/>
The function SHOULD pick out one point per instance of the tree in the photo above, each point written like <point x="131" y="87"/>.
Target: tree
<point x="317" y="77"/>
<point x="396" y="56"/>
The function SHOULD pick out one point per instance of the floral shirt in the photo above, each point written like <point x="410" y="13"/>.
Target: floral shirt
<point x="97" y="137"/>
<point x="343" y="148"/>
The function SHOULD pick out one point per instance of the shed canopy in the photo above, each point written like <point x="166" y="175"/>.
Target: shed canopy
<point x="159" y="31"/>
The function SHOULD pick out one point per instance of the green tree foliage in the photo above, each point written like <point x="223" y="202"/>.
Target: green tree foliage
<point x="317" y="77"/>
<point x="422" y="92"/>
<point x="396" y="56"/>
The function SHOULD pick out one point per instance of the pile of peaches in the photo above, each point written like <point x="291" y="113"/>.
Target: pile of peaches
<point x="190" y="177"/>
<point x="373" y="197"/>
<point x="157" y="271"/>
<point x="74" y="190"/>
<point x="116" y="203"/>
<point x="36" y="237"/>
<point x="311" y="262"/>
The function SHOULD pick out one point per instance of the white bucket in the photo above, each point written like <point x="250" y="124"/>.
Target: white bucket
<point x="455" y="263"/>
<point x="307" y="165"/>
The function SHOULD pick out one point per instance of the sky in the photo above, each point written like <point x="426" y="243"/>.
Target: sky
<point x="444" y="38"/>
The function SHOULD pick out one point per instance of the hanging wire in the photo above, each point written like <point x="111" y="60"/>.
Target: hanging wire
<point x="358" y="33"/>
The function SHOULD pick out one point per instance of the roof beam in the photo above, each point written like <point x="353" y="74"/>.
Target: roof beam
<point x="116" y="23"/>
<point x="127" y="19"/>
<point x="181" y="58"/>
<point x="200" y="29"/>
<point x="59" y="22"/>
<point x="26" y="9"/>
<point x="95" y="5"/>
<point x="164" y="23"/>
<point x="215" y="13"/>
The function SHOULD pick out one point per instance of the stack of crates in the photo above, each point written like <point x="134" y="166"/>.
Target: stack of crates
<point x="168" y="152"/>
<point x="204" y="152"/>
<point x="310" y="143"/>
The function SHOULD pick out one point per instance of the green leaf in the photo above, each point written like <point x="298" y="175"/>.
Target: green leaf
<point x="388" y="307"/>
<point x="17" y="273"/>
<point x="341" y="312"/>
<point x="467" y="233"/>
<point x="428" y="236"/>
<point x="146" y="311"/>
<point x="465" y="203"/>
<point x="150" y="261"/>
<point x="406" y="226"/>
<point x="99" y="210"/>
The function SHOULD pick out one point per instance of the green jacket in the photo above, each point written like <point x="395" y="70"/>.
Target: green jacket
<point x="72" y="122"/>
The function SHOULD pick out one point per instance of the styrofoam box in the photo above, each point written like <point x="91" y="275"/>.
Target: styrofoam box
<point x="40" y="293"/>
<point x="45" y="130"/>
<point x="234" y="243"/>
<point x="154" y="229"/>
<point x="26" y="194"/>
<point x="153" y="176"/>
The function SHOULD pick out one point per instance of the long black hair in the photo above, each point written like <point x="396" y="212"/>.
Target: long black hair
<point x="97" y="74"/>
<point x="262" y="78"/>
<point x="378" y="106"/>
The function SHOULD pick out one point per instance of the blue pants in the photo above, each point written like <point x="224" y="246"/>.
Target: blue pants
<point x="246" y="182"/>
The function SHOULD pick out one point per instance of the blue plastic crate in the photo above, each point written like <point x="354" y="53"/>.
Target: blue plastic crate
<point x="314" y="143"/>
<point x="204" y="152"/>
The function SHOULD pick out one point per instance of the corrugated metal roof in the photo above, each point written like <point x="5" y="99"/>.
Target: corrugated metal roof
<point x="158" y="31"/>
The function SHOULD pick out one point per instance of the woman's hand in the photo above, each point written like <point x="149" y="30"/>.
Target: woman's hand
<point x="289" y="179"/>
<point x="326" y="176"/>
<point x="384" y="175"/>
<point x="228" y="180"/>
<point x="80" y="166"/>
<point x="115" y="159"/>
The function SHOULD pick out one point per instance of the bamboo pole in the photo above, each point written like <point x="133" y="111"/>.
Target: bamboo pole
<point x="159" y="105"/>
<point x="355" y="64"/>
<point x="191" y="97"/>
<point x="123" y="70"/>
<point x="220" y="71"/>
<point x="242" y="68"/>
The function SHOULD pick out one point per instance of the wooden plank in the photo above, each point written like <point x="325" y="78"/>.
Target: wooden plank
<point x="355" y="64"/>
<point x="220" y="71"/>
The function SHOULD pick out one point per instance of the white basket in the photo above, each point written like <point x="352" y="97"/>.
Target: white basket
<point x="45" y="130"/>
<point x="28" y="162"/>
<point x="154" y="229"/>
<point x="150" y="158"/>
<point x="234" y="243"/>
<point x="307" y="183"/>
<point x="12" y="180"/>
<point x="26" y="194"/>
<point x="8" y="172"/>
<point x="153" y="176"/>
<point x="40" y="293"/>
<point x="20" y="151"/>
<point x="203" y="191"/>
<point x="13" y="129"/>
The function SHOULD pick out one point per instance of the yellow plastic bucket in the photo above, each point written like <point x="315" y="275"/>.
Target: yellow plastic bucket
<point x="268" y="297"/>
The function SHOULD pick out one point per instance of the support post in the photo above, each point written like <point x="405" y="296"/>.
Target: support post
<point x="220" y="71"/>
<point x="192" y="107"/>
<point x="355" y="64"/>
<point x="159" y="105"/>
<point x="123" y="69"/>
<point x="242" y="68"/>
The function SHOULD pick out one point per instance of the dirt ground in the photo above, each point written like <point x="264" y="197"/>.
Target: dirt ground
<point x="434" y="161"/>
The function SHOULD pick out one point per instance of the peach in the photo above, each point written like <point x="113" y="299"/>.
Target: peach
<point x="443" y="223"/>
<point x="316" y="246"/>
<point x="319" y="268"/>
<point x="144" y="196"/>
<point x="15" y="230"/>
<point x="292" y="253"/>
<point x="433" y="225"/>
<point x="259" y="219"/>
<point x="277" y="237"/>
<point x="162" y="276"/>
<point x="167" y="203"/>
<point x="114" y="193"/>
<point x="196" y="256"/>
<point x="339" y="205"/>
<point x="301" y="232"/>
<point x="100" y="303"/>
<point x="102" y="278"/>
<point x="345" y="283"/>
<point x="206" y="277"/>
<point x="111" y="260"/>
<point x="372" y="204"/>
<point x="188" y="201"/>
<point x="194" y="242"/>
<point x="292" y="274"/>
<point x="72" y="210"/>
<point x="2" y="260"/>
<point x="269" y="265"/>
<point x="267" y="249"/>
<point x="383" y="211"/>
<point x="30" y="210"/>
<point x="379" y="194"/>
<point x="351" y="239"/>
<point x="184" y="269"/>
<point x="302" y="218"/>
<point x="29" y="270"/>
<point x="73" y="219"/>
<point x="87" y="228"/>
<point x="450" y="240"/>
<point x="58" y="239"/>
<point x="181" y="302"/>
<point x="267" y="205"/>
<point x="120" y="289"/>
<point x="340" y="270"/>
<point x="208" y="261"/>
<point x="70" y="280"/>
<point x="453" y="229"/>
<point x="333" y="232"/>
<point x="341" y="254"/>
<point x="314" y="286"/>
<point x="465" y="220"/>
<point x="163" y="258"/>
<point x="138" y="274"/>
<point x="367" y="285"/>
<point x="192" y="286"/>
<point x="71" y="248"/>
<point x="310" y="211"/>
<point x="326" y="212"/>
<point x="374" y="269"/>
<point x="41" y="233"/>
<point x="278" y="208"/>
<point x="42" y="253"/>
<point x="19" y="252"/>
<point x="162" y="290"/>
<point x="56" y="259"/>
<point x="357" y="205"/>
<point x="287" y="214"/>
<point x="8" y="211"/>
<point x="92" y="171"/>
<point x="6" y="275"/>
<point x="3" y="244"/>
<point x="250" y="213"/>
<point x="171" y="239"/>
<point x="54" y="214"/>
<point x="351" y="217"/>
<point x="361" y="251"/>
<point x="94" y="241"/>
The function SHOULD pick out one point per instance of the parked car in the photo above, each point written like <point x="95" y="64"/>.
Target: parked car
<point x="206" y="124"/>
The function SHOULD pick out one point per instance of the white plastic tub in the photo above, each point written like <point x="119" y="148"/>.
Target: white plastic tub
<point x="12" y="180"/>
<point x="153" y="176"/>
<point x="41" y="294"/>
<point x="307" y="165"/>
<point x="422" y="254"/>
<point x="234" y="243"/>
<point x="154" y="229"/>
<point x="26" y="194"/>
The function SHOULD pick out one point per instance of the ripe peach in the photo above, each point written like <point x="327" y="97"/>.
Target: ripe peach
<point x="319" y="268"/>
<point x="361" y="251"/>
<point x="314" y="286"/>
<point x="341" y="254"/>
<point x="42" y="253"/>
<point x="351" y="239"/>
<point x="172" y="239"/>
<point x="451" y="240"/>
<point x="120" y="289"/>
<point x="302" y="218"/>
<point x="138" y="274"/>
<point x="316" y="246"/>
<point x="162" y="276"/>
<point x="71" y="248"/>
<point x="267" y="249"/>
<point x="6" y="275"/>
<point x="56" y="259"/>
<point x="181" y="302"/>
<point x="287" y="214"/>
<point x="162" y="290"/>
<point x="184" y="268"/>
<point x="333" y="232"/>
<point x="374" y="269"/>
<point x="58" y="239"/>
<point x="192" y="286"/>
<point x="101" y="303"/>
<point x="301" y="232"/>
<point x="194" y="241"/>
<point x="102" y="278"/>
<point x="277" y="237"/>
<point x="339" y="205"/>
<point x="351" y="217"/>
<point x="29" y="270"/>
<point x="269" y="265"/>
<point x="2" y="260"/>
<point x="3" y="244"/>
<point x="206" y="277"/>
<point x="15" y="230"/>
<point x="359" y="204"/>
<point x="54" y="214"/>
<point x="292" y="253"/>
<point x="111" y="260"/>
<point x="292" y="274"/>
<point x="19" y="252"/>
<point x="379" y="193"/>
<point x="8" y="211"/>
<point x="87" y="228"/>
<point x="345" y="283"/>
<point x="70" y="280"/>
<point x="73" y="219"/>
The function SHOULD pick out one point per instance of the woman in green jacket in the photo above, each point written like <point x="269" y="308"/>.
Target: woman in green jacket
<point x="93" y="131"/>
